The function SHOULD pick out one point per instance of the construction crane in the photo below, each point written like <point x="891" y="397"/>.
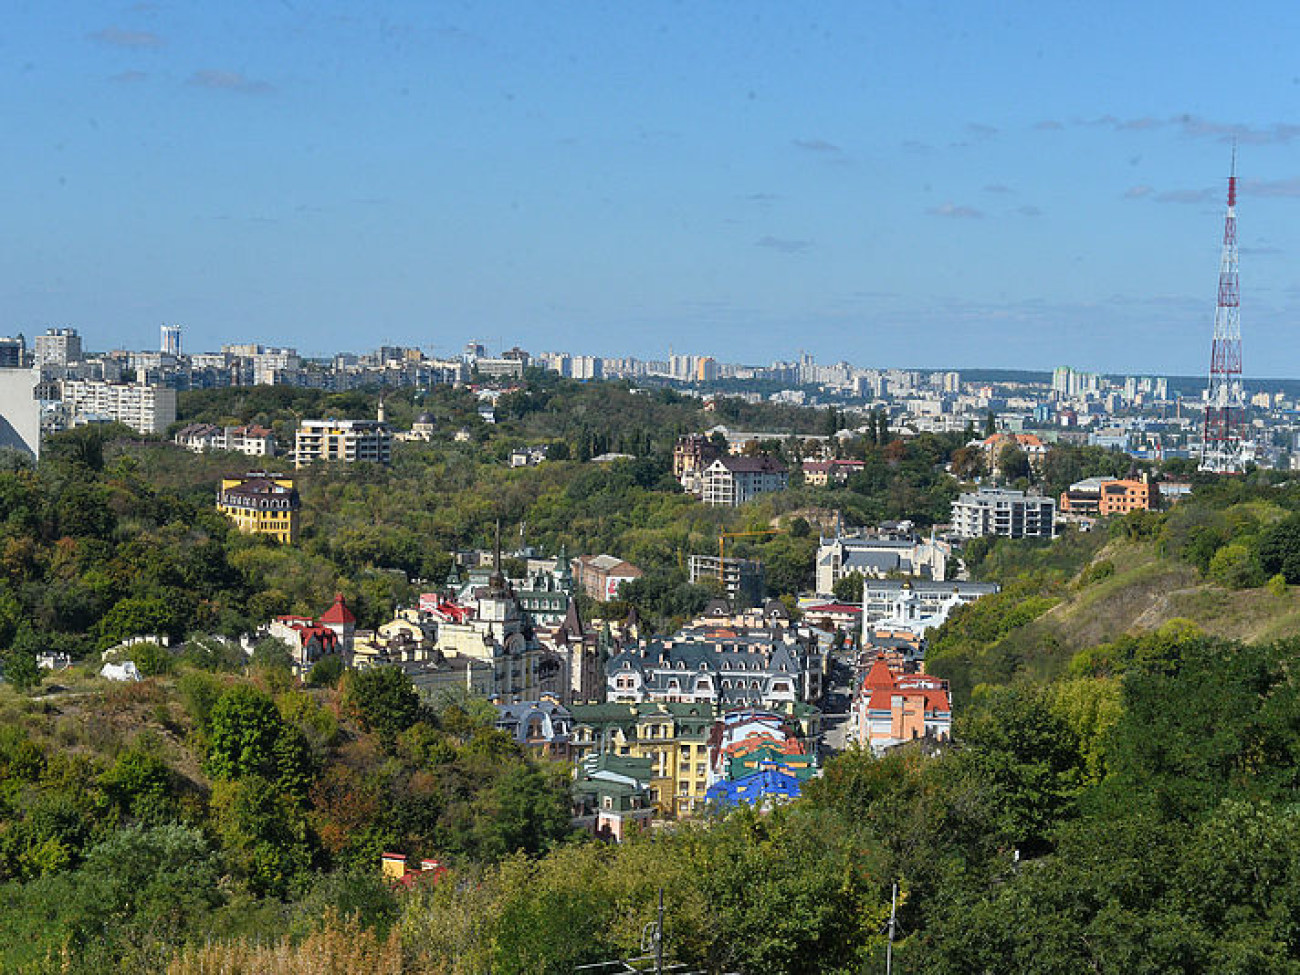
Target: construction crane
<point x="722" y="548"/>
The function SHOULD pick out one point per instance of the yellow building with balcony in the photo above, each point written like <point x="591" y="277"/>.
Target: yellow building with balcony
<point x="675" y="737"/>
<point x="260" y="503"/>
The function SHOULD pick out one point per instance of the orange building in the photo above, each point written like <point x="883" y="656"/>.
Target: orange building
<point x="1104" y="496"/>
<point x="891" y="707"/>
<point x="1121" y="497"/>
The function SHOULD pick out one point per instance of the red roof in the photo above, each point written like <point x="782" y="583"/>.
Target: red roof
<point x="933" y="699"/>
<point x="879" y="677"/>
<point x="338" y="613"/>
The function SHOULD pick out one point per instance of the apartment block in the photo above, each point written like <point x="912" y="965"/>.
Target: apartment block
<point x="58" y="347"/>
<point x="343" y="440"/>
<point x="148" y="409"/>
<point x="997" y="511"/>
<point x="731" y="481"/>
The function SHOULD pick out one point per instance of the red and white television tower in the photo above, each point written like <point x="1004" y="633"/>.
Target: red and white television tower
<point x="1224" y="448"/>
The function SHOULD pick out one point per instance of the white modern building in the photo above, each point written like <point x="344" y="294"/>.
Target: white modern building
<point x="20" y="411"/>
<point x="731" y="481"/>
<point x="916" y="606"/>
<point x="997" y="511"/>
<point x="148" y="409"/>
<point x="343" y="440"/>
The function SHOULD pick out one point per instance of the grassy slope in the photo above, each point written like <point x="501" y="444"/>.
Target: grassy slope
<point x="1145" y="591"/>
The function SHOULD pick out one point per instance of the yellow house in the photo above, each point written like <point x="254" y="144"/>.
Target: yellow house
<point x="674" y="736"/>
<point x="262" y="504"/>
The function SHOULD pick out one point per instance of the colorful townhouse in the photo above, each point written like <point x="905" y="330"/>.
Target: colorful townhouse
<point x="674" y="736"/>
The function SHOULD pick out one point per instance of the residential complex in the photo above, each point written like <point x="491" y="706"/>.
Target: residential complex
<point x="1103" y="497"/>
<point x="889" y="551"/>
<point x="251" y="440"/>
<point x="344" y="441"/>
<point x="731" y="481"/>
<point x="673" y="736"/>
<point x="145" y="408"/>
<point x="998" y="511"/>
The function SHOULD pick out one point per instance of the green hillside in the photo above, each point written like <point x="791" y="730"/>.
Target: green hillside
<point x="1216" y="564"/>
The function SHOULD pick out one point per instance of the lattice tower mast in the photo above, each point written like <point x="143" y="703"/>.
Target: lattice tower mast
<point x="1224" y="449"/>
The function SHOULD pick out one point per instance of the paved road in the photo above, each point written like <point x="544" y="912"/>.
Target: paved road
<point x="835" y="708"/>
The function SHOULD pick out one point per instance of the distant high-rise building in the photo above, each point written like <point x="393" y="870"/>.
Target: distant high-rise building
<point x="13" y="352"/>
<point x="587" y="367"/>
<point x="1061" y="376"/>
<point x="171" y="340"/>
<point x="58" y="347"/>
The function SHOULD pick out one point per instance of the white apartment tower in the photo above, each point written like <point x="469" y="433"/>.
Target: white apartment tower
<point x="147" y="409"/>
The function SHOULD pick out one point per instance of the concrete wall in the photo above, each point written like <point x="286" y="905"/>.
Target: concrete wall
<point x="20" y="413"/>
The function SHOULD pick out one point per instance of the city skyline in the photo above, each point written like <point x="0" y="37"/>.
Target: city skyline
<point x="966" y="188"/>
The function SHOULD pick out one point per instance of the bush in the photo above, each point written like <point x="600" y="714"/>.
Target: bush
<point x="152" y="659"/>
<point x="1097" y="572"/>
<point x="1236" y="567"/>
<point x="1279" y="549"/>
<point x="326" y="671"/>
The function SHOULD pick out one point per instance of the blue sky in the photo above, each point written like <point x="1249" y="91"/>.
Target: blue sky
<point x="908" y="184"/>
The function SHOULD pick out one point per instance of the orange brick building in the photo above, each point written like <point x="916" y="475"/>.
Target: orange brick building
<point x="1121" y="497"/>
<point x="1104" y="497"/>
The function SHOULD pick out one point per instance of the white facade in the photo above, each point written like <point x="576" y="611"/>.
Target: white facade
<point x="20" y="411"/>
<point x="148" y="409"/>
<point x="916" y="606"/>
<point x="878" y="556"/>
<point x="343" y="440"/>
<point x="995" y="511"/>
<point x="252" y="441"/>
<point x="731" y="481"/>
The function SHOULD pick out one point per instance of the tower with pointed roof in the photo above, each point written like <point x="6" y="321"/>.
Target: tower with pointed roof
<point x="340" y="619"/>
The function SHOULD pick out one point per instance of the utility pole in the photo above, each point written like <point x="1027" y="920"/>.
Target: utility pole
<point x="893" y="923"/>
<point x="659" y="937"/>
